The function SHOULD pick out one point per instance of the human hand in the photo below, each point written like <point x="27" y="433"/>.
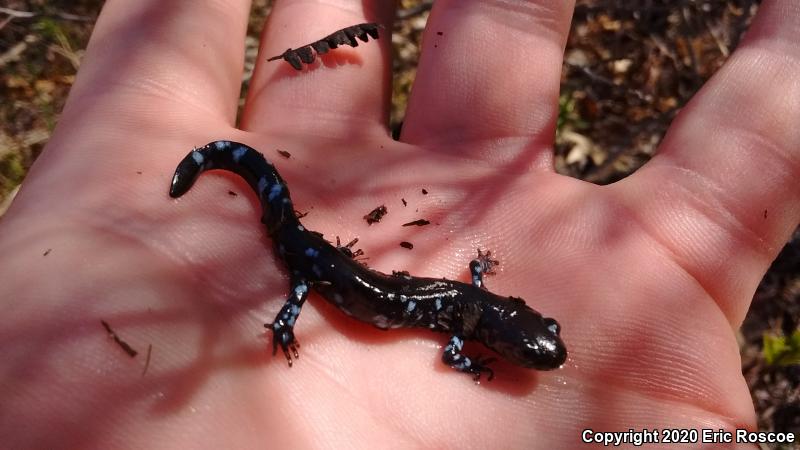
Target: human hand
<point x="682" y="243"/>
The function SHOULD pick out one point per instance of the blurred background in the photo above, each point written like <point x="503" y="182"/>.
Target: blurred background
<point x="630" y="66"/>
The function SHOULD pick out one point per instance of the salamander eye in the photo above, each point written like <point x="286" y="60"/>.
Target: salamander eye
<point x="552" y="325"/>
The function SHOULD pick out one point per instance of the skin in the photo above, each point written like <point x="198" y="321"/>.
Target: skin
<point x="649" y="277"/>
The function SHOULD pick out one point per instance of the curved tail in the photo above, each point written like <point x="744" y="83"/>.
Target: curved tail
<point x="246" y="162"/>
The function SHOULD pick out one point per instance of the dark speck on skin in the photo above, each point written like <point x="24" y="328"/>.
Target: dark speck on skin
<point x="47" y="252"/>
<point x="407" y="245"/>
<point x="424" y="191"/>
<point x="439" y="33"/>
<point x="418" y="222"/>
<point x="376" y="214"/>
<point x="285" y="154"/>
<point x="232" y="194"/>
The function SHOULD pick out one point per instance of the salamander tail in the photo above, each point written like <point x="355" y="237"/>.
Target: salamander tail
<point x="243" y="161"/>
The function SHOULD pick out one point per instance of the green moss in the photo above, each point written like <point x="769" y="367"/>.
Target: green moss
<point x="782" y="350"/>
<point x="48" y="27"/>
<point x="12" y="171"/>
<point x="568" y="114"/>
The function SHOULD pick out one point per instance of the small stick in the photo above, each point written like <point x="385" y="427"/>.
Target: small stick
<point x="147" y="359"/>
<point x="124" y="345"/>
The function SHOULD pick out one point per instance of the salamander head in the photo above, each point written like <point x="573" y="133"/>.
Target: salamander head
<point x="521" y="335"/>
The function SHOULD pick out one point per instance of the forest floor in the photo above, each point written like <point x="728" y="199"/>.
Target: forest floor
<point x="629" y="68"/>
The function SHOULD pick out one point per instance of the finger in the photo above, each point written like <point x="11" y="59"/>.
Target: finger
<point x="722" y="193"/>
<point x="490" y="73"/>
<point x="173" y="60"/>
<point x="343" y="92"/>
<point x="154" y="74"/>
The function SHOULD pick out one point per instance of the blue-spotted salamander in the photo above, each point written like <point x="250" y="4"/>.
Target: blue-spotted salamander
<point x="465" y="311"/>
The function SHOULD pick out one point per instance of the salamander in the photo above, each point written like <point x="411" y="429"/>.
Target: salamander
<point x="466" y="311"/>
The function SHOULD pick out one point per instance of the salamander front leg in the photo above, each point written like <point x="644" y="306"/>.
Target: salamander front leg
<point x="453" y="357"/>
<point x="283" y="326"/>
<point x="483" y="264"/>
<point x="347" y="249"/>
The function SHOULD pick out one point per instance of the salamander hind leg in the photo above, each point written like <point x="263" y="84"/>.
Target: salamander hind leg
<point x="453" y="357"/>
<point x="483" y="264"/>
<point x="283" y="326"/>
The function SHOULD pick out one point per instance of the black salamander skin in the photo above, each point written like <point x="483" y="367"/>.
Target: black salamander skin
<point x="465" y="311"/>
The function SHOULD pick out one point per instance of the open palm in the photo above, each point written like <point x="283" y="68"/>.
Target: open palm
<point x="648" y="277"/>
